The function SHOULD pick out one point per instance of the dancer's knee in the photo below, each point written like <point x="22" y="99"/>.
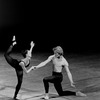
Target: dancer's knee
<point x="19" y="84"/>
<point x="5" y="55"/>
<point x="44" y="80"/>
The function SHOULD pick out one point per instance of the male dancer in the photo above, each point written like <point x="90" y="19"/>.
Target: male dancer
<point x="59" y="62"/>
<point x="19" y="65"/>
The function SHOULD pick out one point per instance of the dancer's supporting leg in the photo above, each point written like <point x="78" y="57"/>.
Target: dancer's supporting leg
<point x="20" y="78"/>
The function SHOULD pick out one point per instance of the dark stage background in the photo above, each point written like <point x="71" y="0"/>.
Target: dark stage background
<point x="74" y="26"/>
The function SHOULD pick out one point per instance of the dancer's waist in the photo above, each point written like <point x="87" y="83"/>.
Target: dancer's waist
<point x="56" y="73"/>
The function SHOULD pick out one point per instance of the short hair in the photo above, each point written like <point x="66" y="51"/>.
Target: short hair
<point x="58" y="49"/>
<point x="24" y="52"/>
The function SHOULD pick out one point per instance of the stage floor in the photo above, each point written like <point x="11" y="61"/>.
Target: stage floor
<point x="85" y="71"/>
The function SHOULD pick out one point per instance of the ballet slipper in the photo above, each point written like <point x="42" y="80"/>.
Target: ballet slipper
<point x="46" y="97"/>
<point x="80" y="94"/>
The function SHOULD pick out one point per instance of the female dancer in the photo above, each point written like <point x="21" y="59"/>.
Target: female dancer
<point x="19" y="65"/>
<point x="59" y="62"/>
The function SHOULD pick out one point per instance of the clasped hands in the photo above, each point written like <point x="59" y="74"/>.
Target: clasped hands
<point x="33" y="68"/>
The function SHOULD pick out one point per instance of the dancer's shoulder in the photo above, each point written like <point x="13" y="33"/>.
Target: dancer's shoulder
<point x="65" y="61"/>
<point x="51" y="57"/>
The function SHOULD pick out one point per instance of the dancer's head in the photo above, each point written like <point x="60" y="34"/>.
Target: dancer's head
<point x="26" y="53"/>
<point x="58" y="51"/>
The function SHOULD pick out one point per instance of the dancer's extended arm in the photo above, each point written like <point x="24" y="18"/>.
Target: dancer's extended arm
<point x="32" y="44"/>
<point x="69" y="74"/>
<point x="23" y="67"/>
<point x="42" y="63"/>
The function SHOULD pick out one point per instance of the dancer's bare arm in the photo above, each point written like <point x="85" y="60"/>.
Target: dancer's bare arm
<point x="23" y="67"/>
<point x="69" y="74"/>
<point x="42" y="63"/>
<point x="32" y="44"/>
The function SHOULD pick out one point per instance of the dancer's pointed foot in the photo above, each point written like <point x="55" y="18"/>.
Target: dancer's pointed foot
<point x="80" y="94"/>
<point x="46" y="97"/>
<point x="14" y="40"/>
<point x="15" y="99"/>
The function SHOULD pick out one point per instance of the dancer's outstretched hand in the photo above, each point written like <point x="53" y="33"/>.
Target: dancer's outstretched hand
<point x="32" y="44"/>
<point x="73" y="85"/>
<point x="32" y="68"/>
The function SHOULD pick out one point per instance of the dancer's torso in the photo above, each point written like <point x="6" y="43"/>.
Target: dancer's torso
<point x="58" y="64"/>
<point x="18" y="67"/>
